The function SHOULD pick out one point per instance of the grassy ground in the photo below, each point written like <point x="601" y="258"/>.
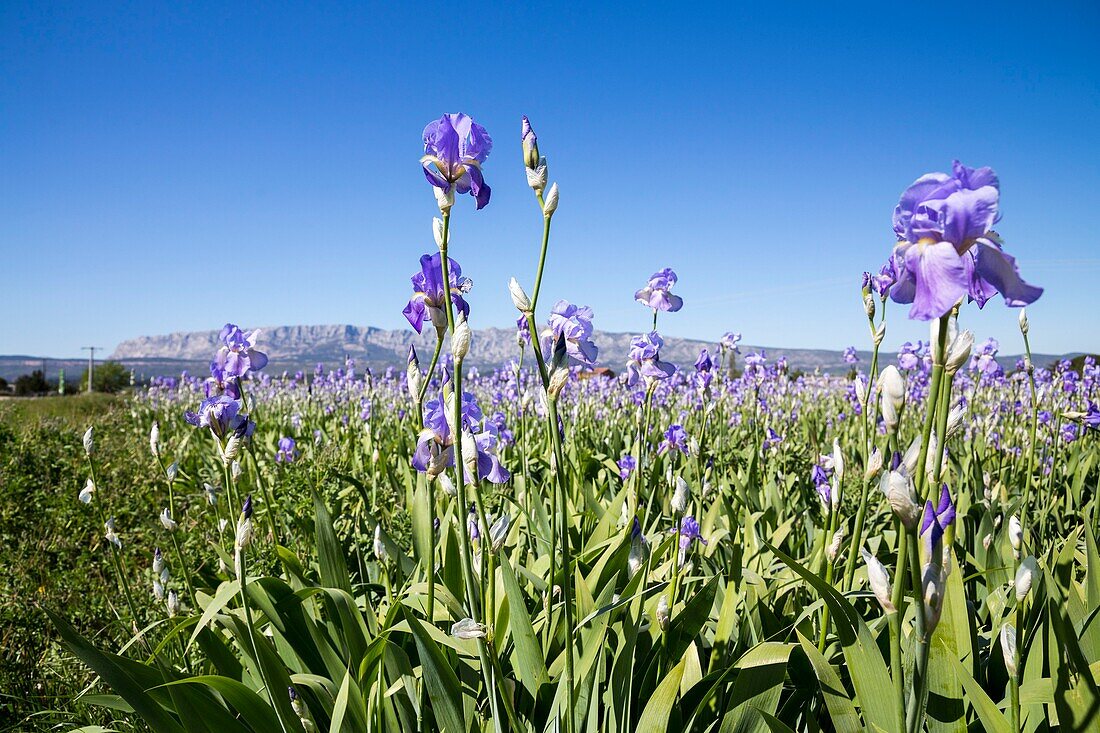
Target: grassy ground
<point x="74" y="409"/>
<point x="50" y="547"/>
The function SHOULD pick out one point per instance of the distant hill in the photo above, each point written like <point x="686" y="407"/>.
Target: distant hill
<point x="301" y="347"/>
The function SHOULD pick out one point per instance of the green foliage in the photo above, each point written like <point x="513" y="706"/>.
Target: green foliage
<point x="109" y="377"/>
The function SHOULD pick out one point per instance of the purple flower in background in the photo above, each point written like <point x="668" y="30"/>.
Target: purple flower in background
<point x="755" y="361"/>
<point x="773" y="439"/>
<point x="730" y="339"/>
<point x="909" y="355"/>
<point x="627" y="464"/>
<point x="288" y="450"/>
<point x="523" y="332"/>
<point x="676" y="438"/>
<point x="645" y="360"/>
<point x="429" y="293"/>
<point x="657" y="294"/>
<point x="984" y="358"/>
<point x="575" y="324"/>
<point x="850" y="355"/>
<point x="704" y="363"/>
<point x="819" y="475"/>
<point x="946" y="247"/>
<point x="937" y="518"/>
<point x="454" y="148"/>
<point x="1092" y="417"/>
<point x="237" y="354"/>
<point x="530" y="143"/>
<point x="223" y="416"/>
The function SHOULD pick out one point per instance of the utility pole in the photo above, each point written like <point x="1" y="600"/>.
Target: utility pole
<point x="91" y="363"/>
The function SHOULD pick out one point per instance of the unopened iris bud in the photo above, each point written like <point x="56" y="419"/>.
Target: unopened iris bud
<point x="519" y="298"/>
<point x="662" y="613"/>
<point x="154" y="439"/>
<point x="869" y="305"/>
<point x="414" y="380"/>
<point x="379" y="544"/>
<point x="838" y="460"/>
<point x="172" y="471"/>
<point x="681" y="496"/>
<point x="89" y="441"/>
<point x="86" y="493"/>
<point x="460" y="341"/>
<point x="235" y="470"/>
<point x="874" y="465"/>
<point x="1024" y="327"/>
<point x="550" y="204"/>
<point x="987" y="541"/>
<point x="1015" y="534"/>
<point x="467" y="628"/>
<point x="879" y="579"/>
<point x="166" y="520"/>
<point x="932" y="582"/>
<point x="559" y="370"/>
<point x="158" y="589"/>
<point x="498" y="533"/>
<point x="1025" y="576"/>
<point x="173" y="603"/>
<point x="530" y="144"/>
<point x="898" y="489"/>
<point x="158" y="561"/>
<point x="891" y="387"/>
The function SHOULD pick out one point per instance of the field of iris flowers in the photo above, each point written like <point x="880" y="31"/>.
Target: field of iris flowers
<point x="724" y="546"/>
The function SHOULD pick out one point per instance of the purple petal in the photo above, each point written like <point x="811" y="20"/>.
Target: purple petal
<point x="942" y="278"/>
<point x="997" y="269"/>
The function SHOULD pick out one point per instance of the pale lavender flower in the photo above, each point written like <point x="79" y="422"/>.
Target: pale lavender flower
<point x="454" y="149"/>
<point x="657" y="294"/>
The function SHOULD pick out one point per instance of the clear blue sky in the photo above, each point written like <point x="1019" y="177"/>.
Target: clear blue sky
<point x="174" y="168"/>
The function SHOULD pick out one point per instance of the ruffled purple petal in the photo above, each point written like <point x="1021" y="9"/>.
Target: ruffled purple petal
<point x="942" y="278"/>
<point x="996" y="270"/>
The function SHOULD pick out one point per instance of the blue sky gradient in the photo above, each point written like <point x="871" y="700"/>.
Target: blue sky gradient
<point x="171" y="168"/>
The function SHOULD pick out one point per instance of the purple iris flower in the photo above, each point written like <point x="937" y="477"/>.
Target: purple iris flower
<point x="454" y="148"/>
<point x="689" y="532"/>
<point x="984" y="358"/>
<point x="436" y="438"/>
<point x="627" y="464"/>
<point x="575" y="324"/>
<point x="820" y="477"/>
<point x="657" y="294"/>
<point x="730" y="340"/>
<point x="223" y="416"/>
<point x="909" y="355"/>
<point x="1092" y="417"/>
<point x="429" y="293"/>
<point x="755" y="361"/>
<point x="937" y="518"/>
<point x="237" y="354"/>
<point x="645" y="359"/>
<point x="946" y="246"/>
<point x="676" y="438"/>
<point x="850" y="355"/>
<point x="288" y="451"/>
<point x="772" y="439"/>
<point x="885" y="279"/>
<point x="704" y="363"/>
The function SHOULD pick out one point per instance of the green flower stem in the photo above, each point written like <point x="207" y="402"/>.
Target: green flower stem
<point x="897" y="672"/>
<point x="567" y="577"/>
<point x="460" y="483"/>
